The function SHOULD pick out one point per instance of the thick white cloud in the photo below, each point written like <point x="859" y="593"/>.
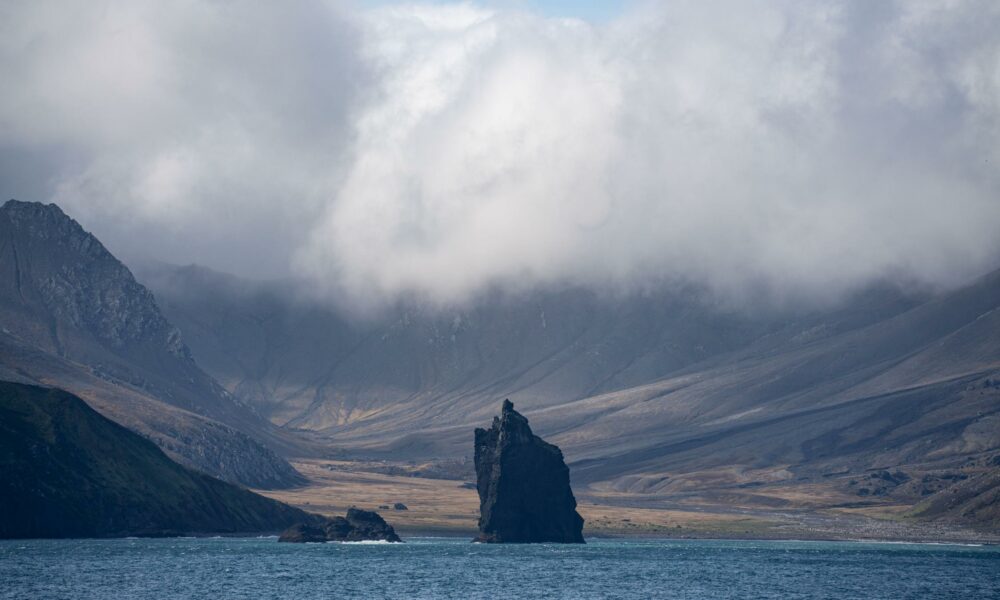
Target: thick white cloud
<point x="188" y="131"/>
<point x="802" y="148"/>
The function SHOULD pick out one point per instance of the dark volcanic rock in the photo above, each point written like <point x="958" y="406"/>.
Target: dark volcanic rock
<point x="301" y="533"/>
<point x="368" y="525"/>
<point x="523" y="484"/>
<point x="358" y="526"/>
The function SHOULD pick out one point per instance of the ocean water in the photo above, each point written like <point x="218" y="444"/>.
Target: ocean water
<point x="455" y="568"/>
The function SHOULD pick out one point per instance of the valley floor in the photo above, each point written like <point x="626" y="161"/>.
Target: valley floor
<point x="440" y="505"/>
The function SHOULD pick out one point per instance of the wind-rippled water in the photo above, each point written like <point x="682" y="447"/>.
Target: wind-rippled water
<point x="455" y="568"/>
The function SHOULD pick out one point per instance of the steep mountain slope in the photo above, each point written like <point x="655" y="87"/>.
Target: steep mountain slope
<point x="700" y="402"/>
<point x="306" y="365"/>
<point x="70" y="312"/>
<point x="186" y="437"/>
<point x="69" y="472"/>
<point x="912" y="368"/>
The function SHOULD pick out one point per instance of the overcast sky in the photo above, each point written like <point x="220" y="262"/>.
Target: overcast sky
<point x="441" y="149"/>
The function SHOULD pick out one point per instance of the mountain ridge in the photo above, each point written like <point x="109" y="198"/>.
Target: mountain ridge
<point x="663" y="397"/>
<point x="63" y="295"/>
<point x="554" y="346"/>
<point x="803" y="396"/>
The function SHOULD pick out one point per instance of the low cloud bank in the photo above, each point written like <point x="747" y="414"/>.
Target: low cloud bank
<point x="798" y="148"/>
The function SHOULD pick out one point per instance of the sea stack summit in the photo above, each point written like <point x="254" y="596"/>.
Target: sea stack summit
<point x="523" y="484"/>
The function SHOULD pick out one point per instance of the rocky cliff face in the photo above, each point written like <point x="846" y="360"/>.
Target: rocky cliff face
<point x="64" y="275"/>
<point x="72" y="315"/>
<point x="523" y="484"/>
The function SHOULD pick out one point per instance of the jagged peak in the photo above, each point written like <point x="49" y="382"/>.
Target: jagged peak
<point x="19" y="210"/>
<point x="48" y="222"/>
<point x="81" y="282"/>
<point x="21" y="205"/>
<point x="513" y="425"/>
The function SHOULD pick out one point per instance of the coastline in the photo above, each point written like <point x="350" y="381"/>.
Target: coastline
<point x="446" y="508"/>
<point x="987" y="540"/>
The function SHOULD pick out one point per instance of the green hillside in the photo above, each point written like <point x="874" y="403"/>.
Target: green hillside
<point x="70" y="472"/>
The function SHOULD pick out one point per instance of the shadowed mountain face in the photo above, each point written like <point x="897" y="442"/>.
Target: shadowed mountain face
<point x="73" y="315"/>
<point x="306" y="365"/>
<point x="69" y="472"/>
<point x="67" y="293"/>
<point x="905" y="389"/>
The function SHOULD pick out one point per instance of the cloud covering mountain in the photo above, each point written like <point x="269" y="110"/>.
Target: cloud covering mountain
<point x="794" y="149"/>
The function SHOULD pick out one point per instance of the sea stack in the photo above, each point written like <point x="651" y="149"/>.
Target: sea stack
<point x="523" y="484"/>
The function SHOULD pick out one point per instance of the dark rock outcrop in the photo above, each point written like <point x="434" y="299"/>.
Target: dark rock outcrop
<point x="301" y="533"/>
<point x="358" y="526"/>
<point x="523" y="484"/>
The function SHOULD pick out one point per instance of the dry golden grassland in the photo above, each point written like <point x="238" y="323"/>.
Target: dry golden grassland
<point x="780" y="510"/>
<point x="445" y="506"/>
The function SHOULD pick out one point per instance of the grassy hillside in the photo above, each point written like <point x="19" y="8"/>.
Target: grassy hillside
<point x="69" y="472"/>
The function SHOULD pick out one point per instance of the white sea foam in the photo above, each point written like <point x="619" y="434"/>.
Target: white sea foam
<point x="905" y="543"/>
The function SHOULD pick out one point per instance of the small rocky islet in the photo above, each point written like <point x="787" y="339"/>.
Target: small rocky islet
<point x="358" y="526"/>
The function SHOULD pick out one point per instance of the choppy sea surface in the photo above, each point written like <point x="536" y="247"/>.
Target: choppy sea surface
<point x="455" y="568"/>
